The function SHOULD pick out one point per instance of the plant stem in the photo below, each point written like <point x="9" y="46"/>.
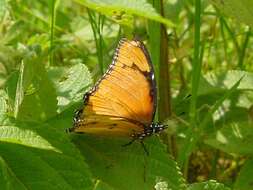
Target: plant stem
<point x="52" y="23"/>
<point x="243" y="49"/>
<point x="196" y="68"/>
<point x="97" y="33"/>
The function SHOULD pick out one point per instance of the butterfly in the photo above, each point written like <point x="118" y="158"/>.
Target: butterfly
<point x="123" y="101"/>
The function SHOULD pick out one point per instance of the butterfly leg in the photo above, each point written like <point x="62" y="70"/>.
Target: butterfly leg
<point x="129" y="143"/>
<point x="142" y="144"/>
<point x="144" y="147"/>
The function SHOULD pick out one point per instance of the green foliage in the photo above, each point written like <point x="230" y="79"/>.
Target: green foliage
<point x="244" y="181"/>
<point x="70" y="83"/>
<point x="119" y="8"/>
<point x="35" y="94"/>
<point x="50" y="53"/>
<point x="45" y="161"/>
<point x="132" y="162"/>
<point x="209" y="185"/>
<point x="236" y="9"/>
<point x="3" y="6"/>
<point x="231" y="136"/>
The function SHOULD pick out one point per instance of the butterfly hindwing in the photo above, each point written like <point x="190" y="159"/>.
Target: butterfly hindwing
<point x="123" y="101"/>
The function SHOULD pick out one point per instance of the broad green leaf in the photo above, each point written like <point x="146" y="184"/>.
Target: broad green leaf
<point x="244" y="181"/>
<point x="134" y="7"/>
<point x="35" y="94"/>
<point x="239" y="10"/>
<point x="71" y="83"/>
<point x="111" y="162"/>
<point x="8" y="180"/>
<point x="232" y="136"/>
<point x="37" y="165"/>
<point x="208" y="185"/>
<point x="26" y="137"/>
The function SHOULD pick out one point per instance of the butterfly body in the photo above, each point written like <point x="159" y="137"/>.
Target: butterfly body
<point x="123" y="101"/>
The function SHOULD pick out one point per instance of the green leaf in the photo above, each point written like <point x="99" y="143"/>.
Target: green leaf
<point x="8" y="180"/>
<point x="244" y="181"/>
<point x="110" y="162"/>
<point x="219" y="102"/>
<point x="237" y="9"/>
<point x="35" y="94"/>
<point x="134" y="7"/>
<point x="192" y="138"/>
<point x="232" y="136"/>
<point x="41" y="158"/>
<point x="208" y="185"/>
<point x="71" y="83"/>
<point x="10" y="88"/>
<point x="214" y="82"/>
<point x="15" y="134"/>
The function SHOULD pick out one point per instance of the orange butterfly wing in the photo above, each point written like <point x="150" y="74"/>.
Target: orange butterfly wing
<point x="122" y="103"/>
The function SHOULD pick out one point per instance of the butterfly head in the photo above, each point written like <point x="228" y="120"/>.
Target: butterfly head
<point x="157" y="127"/>
<point x="150" y="130"/>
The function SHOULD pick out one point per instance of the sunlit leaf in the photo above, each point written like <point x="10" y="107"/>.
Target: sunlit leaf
<point x="135" y="7"/>
<point x="232" y="136"/>
<point x="14" y="134"/>
<point x="208" y="185"/>
<point x="40" y="157"/>
<point x="35" y="93"/>
<point x="71" y="83"/>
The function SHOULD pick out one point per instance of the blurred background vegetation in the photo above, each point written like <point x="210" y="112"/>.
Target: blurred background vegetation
<point x="52" y="52"/>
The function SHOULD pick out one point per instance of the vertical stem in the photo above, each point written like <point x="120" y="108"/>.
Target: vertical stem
<point x="164" y="77"/>
<point x="101" y="19"/>
<point x="52" y="22"/>
<point x="196" y="70"/>
<point x="225" y="46"/>
<point x="243" y="49"/>
<point x="213" y="172"/>
<point x="164" y="108"/>
<point x="231" y="34"/>
<point x="154" y="44"/>
<point x="196" y="64"/>
<point x="97" y="33"/>
<point x="159" y="53"/>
